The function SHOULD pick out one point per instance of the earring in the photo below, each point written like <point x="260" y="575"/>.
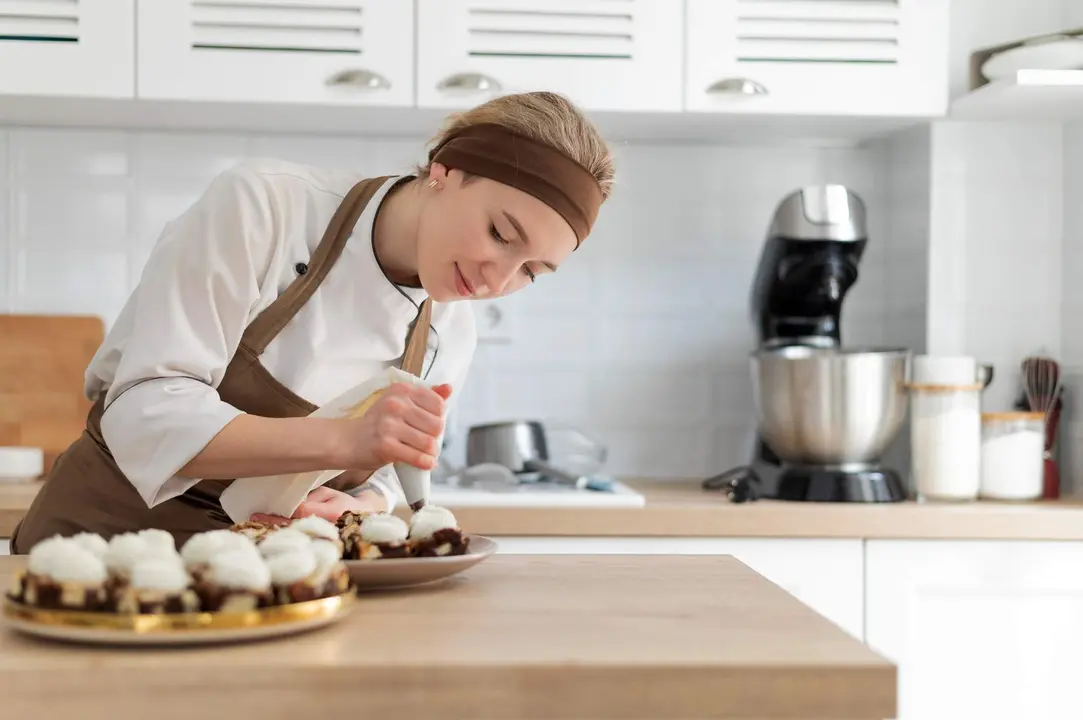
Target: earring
<point x="434" y="183"/>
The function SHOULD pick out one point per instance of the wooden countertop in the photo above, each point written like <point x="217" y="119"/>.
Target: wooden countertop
<point x="517" y="636"/>
<point x="680" y="508"/>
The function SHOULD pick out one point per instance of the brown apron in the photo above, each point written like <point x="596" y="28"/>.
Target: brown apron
<point x="86" y="492"/>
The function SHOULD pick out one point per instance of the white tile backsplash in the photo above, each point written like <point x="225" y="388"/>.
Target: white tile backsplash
<point x="641" y="339"/>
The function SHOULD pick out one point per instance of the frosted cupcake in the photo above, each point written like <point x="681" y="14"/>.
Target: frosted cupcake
<point x="255" y="531"/>
<point x="378" y="536"/>
<point x="157" y="585"/>
<point x="307" y="573"/>
<point x="349" y="518"/>
<point x="319" y="529"/>
<point x="286" y="540"/>
<point x="93" y="543"/>
<point x="63" y="575"/>
<point x="197" y="552"/>
<point x="235" y="581"/>
<point x="124" y="550"/>
<point x="434" y="532"/>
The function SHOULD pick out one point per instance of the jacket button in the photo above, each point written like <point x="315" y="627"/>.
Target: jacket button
<point x="301" y="268"/>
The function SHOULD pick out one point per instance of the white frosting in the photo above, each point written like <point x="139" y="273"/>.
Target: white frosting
<point x="429" y="520"/>
<point x="159" y="540"/>
<point x="39" y="560"/>
<point x="239" y="569"/>
<point x="72" y="563"/>
<point x="284" y="540"/>
<point x="93" y="543"/>
<point x="155" y="573"/>
<point x="291" y="566"/>
<point x="200" y="548"/>
<point x="327" y="555"/>
<point x="316" y="527"/>
<point x="384" y="528"/>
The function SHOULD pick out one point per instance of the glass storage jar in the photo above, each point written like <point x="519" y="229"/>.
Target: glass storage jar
<point x="1012" y="455"/>
<point x="945" y="440"/>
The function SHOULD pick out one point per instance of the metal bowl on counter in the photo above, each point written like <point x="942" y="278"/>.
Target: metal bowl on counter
<point x="829" y="406"/>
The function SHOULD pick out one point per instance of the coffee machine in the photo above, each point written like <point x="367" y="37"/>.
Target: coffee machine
<point x="808" y="263"/>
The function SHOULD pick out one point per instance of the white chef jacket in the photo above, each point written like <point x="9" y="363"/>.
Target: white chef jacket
<point x="212" y="271"/>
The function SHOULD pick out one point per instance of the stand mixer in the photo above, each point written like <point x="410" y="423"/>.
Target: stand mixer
<point x="824" y="415"/>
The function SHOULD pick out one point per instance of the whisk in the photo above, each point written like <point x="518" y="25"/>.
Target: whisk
<point x="1041" y="381"/>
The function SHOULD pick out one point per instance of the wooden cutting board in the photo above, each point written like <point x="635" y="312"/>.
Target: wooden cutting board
<point x="43" y="360"/>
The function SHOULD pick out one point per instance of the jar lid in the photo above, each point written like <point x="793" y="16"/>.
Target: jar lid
<point x="938" y="388"/>
<point x="1012" y="415"/>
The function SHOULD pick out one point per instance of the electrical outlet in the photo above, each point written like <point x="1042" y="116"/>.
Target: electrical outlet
<point x="495" y="319"/>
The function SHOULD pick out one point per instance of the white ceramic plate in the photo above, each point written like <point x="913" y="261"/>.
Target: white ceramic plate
<point x="1051" y="53"/>
<point x="410" y="572"/>
<point x="178" y="629"/>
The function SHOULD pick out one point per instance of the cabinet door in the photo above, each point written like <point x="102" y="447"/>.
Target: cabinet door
<point x="826" y="575"/>
<point x="339" y="52"/>
<point x="601" y="54"/>
<point x="67" y="47"/>
<point x="984" y="629"/>
<point x="822" y="57"/>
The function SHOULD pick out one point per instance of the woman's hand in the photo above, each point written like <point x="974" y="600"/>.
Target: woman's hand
<point x="330" y="504"/>
<point x="403" y="425"/>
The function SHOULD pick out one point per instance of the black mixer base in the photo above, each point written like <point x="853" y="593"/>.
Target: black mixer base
<point x="812" y="484"/>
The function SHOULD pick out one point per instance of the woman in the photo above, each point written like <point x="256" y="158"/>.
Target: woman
<point x="285" y="285"/>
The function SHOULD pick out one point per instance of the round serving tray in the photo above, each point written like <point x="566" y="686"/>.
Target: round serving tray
<point x="177" y="628"/>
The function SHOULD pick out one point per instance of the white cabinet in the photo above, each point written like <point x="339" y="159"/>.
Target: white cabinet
<point x="339" y="52"/>
<point x="826" y="575"/>
<point x="986" y="629"/>
<point x="67" y="48"/>
<point x="817" y="57"/>
<point x="618" y="55"/>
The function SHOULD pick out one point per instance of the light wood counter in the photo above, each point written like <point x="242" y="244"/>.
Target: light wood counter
<point x="529" y="637"/>
<point x="680" y="508"/>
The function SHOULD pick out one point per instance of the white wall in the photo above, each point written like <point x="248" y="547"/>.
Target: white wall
<point x="641" y="339"/>
<point x="995" y="246"/>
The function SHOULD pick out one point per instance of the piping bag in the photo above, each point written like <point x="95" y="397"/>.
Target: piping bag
<point x="282" y="494"/>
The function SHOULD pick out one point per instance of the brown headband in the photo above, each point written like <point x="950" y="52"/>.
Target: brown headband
<point x="492" y="151"/>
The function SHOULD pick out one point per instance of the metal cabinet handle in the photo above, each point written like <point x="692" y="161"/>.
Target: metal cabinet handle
<point x="737" y="86"/>
<point x="469" y="82"/>
<point x="364" y="79"/>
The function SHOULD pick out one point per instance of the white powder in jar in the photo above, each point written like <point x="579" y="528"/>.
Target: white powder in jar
<point x="945" y="449"/>
<point x="1011" y="465"/>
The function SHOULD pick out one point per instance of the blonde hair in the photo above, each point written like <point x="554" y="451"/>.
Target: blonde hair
<point x="547" y="118"/>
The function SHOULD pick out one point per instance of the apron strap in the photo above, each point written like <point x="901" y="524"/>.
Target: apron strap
<point x="417" y="341"/>
<point x="259" y="334"/>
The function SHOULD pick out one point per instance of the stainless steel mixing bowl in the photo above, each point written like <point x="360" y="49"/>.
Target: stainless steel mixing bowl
<point x="829" y="407"/>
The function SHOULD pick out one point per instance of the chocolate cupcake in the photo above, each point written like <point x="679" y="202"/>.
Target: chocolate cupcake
<point x="63" y="575"/>
<point x="307" y="573"/>
<point x="92" y="542"/>
<point x="285" y="540"/>
<point x="319" y="529"/>
<point x="379" y="536"/>
<point x="126" y="549"/>
<point x="201" y="547"/>
<point x="350" y="517"/>
<point x="235" y="581"/>
<point x="255" y="531"/>
<point x="434" y="532"/>
<point x="157" y="585"/>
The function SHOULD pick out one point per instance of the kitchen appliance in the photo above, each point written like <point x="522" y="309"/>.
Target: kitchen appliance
<point x="830" y="414"/>
<point x="809" y="261"/>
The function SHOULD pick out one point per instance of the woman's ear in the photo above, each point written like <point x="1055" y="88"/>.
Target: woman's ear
<point x="437" y="173"/>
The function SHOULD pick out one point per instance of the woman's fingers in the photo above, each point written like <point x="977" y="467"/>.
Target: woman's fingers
<point x="412" y="456"/>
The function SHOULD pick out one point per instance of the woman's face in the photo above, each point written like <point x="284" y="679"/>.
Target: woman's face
<point x="483" y="239"/>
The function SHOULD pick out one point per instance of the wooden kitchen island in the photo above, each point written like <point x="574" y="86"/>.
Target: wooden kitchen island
<point x="515" y="637"/>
